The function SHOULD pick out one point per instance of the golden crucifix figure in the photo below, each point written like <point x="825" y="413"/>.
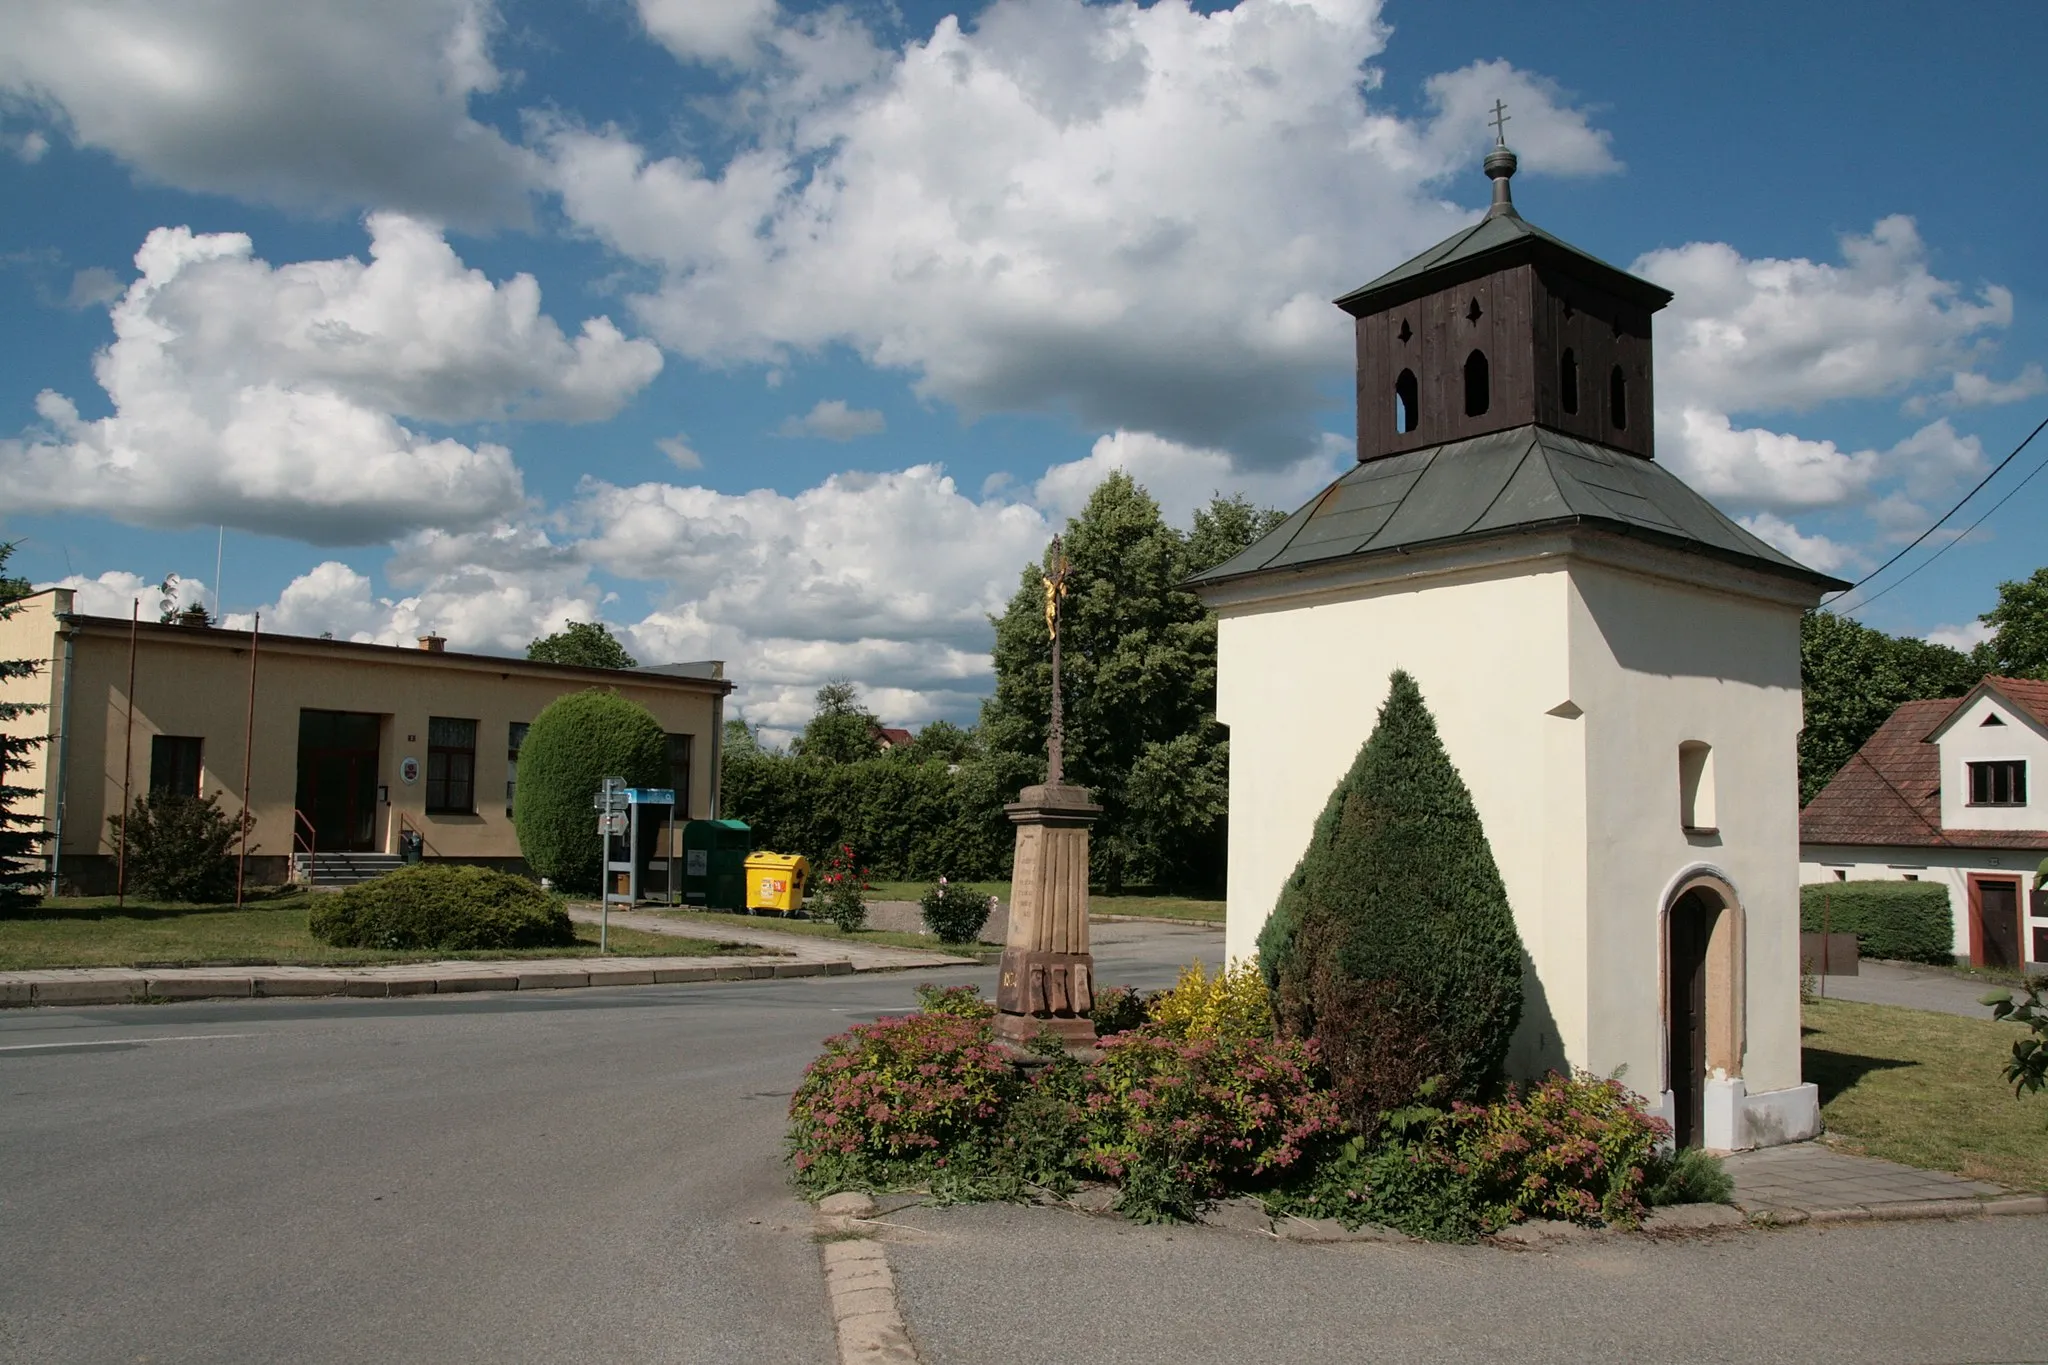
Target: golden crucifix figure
<point x="1055" y="580"/>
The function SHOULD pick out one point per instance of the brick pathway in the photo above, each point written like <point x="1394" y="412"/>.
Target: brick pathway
<point x="1810" y="1180"/>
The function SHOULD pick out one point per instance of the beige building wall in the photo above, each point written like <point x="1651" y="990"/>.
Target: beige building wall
<point x="29" y="634"/>
<point x="196" y="682"/>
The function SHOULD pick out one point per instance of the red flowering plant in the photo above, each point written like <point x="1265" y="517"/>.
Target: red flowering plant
<point x="843" y="890"/>
<point x="1178" y="1123"/>
<point x="890" y="1103"/>
<point x="1573" y="1147"/>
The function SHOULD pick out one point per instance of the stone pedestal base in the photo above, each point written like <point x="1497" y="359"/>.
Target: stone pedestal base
<point x="1047" y="980"/>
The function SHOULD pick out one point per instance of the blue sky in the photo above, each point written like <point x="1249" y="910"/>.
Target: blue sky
<point x="786" y="334"/>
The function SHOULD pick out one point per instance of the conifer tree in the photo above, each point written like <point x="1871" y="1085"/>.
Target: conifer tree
<point x="21" y="836"/>
<point x="1392" y="943"/>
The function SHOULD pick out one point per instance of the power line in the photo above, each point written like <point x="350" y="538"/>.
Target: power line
<point x="1965" y="535"/>
<point x="1942" y="518"/>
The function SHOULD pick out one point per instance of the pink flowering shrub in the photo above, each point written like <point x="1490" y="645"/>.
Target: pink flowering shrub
<point x="891" y="1102"/>
<point x="1176" y="1124"/>
<point x="1573" y="1147"/>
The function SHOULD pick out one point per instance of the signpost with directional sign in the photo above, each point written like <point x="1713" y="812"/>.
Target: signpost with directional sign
<point x="611" y="804"/>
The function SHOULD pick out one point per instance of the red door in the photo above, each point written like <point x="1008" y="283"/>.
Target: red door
<point x="1995" y="937"/>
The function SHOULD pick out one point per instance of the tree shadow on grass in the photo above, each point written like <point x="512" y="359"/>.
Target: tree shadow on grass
<point x="1835" y="1072"/>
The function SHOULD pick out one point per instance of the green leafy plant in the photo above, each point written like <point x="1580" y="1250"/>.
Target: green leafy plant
<point x="180" y="848"/>
<point x="964" y="1002"/>
<point x="2027" y="1069"/>
<point x="1392" y="943"/>
<point x="1234" y="1005"/>
<point x="444" y="908"/>
<point x="1902" y="921"/>
<point x="1178" y="1124"/>
<point x="955" y="914"/>
<point x="1576" y="1148"/>
<point x="575" y="743"/>
<point x="1118" y="1009"/>
<point x="586" y="644"/>
<point x="1688" y="1176"/>
<point x="897" y="1102"/>
<point x="842" y="890"/>
<point x="21" y="834"/>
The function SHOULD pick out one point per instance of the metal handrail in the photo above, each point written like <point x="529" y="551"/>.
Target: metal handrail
<point x="309" y="842"/>
<point x="405" y="823"/>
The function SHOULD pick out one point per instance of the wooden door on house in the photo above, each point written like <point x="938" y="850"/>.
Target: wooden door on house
<point x="1690" y="927"/>
<point x="1998" y="924"/>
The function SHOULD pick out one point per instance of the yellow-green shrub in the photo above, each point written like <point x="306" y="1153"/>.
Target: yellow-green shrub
<point x="1231" y="1007"/>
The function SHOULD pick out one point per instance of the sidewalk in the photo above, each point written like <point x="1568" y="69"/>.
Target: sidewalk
<point x="865" y="957"/>
<point x="1811" y="1182"/>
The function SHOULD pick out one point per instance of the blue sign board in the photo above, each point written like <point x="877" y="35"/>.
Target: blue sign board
<point x="651" y="796"/>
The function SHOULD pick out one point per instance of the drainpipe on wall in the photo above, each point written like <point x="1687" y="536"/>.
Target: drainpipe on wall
<point x="63" y="719"/>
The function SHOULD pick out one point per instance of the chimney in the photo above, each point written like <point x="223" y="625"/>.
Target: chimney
<point x="433" y="644"/>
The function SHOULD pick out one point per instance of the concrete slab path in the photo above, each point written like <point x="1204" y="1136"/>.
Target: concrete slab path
<point x="1810" y="1181"/>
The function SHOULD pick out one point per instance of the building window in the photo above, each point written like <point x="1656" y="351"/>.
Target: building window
<point x="174" y="764"/>
<point x="1841" y="875"/>
<point x="1406" y="395"/>
<point x="1696" y="785"/>
<point x="2001" y="783"/>
<point x="1568" y="381"/>
<point x="515" y="740"/>
<point x="681" y="748"/>
<point x="1478" y="385"/>
<point x="1617" y="399"/>
<point x="451" y="766"/>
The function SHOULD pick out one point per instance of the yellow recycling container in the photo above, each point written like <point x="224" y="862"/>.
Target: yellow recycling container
<point x="776" y="882"/>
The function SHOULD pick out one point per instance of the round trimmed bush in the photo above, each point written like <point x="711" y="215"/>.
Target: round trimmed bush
<point x="570" y="749"/>
<point x="443" y="908"/>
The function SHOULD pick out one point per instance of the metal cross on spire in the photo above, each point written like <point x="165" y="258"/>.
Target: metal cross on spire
<point x="1500" y="122"/>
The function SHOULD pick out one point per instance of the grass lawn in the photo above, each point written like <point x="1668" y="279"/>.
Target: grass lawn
<point x="96" y="933"/>
<point x="813" y="928"/>
<point x="1925" y="1089"/>
<point x="1151" y="907"/>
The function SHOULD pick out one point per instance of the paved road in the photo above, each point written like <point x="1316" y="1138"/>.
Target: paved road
<point x="589" y="1176"/>
<point x="1916" y="987"/>
<point x="1047" y="1287"/>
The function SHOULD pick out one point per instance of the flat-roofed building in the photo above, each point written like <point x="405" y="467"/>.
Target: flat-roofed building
<point x="354" y="744"/>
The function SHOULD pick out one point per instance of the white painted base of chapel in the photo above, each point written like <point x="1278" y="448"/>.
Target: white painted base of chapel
<point x="1733" y="1120"/>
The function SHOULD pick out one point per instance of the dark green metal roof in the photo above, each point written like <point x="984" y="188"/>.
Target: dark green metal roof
<point x="1494" y="242"/>
<point x="1525" y="479"/>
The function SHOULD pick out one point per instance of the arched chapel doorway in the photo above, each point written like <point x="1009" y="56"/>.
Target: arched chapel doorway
<point x="1702" y="999"/>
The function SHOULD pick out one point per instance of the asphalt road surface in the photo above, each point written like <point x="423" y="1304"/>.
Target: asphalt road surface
<point x="589" y="1175"/>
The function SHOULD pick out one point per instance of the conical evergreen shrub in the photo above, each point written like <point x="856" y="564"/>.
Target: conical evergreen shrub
<point x="1392" y="943"/>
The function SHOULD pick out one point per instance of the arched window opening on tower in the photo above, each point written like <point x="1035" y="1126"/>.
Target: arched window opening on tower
<point x="1568" y="381"/>
<point x="1478" y="385"/>
<point x="1407" y="393"/>
<point x="1617" y="399"/>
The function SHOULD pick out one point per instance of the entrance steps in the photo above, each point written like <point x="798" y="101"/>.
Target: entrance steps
<point x="334" y="870"/>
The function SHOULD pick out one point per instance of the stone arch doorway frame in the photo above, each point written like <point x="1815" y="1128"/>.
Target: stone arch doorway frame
<point x="1726" y="993"/>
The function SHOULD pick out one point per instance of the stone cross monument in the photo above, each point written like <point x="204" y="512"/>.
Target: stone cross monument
<point x="1047" y="978"/>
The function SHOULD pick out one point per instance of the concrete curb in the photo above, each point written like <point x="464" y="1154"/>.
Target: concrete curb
<point x="1906" y="1210"/>
<point x="860" y="1287"/>
<point x="1155" y="919"/>
<point x="142" y="988"/>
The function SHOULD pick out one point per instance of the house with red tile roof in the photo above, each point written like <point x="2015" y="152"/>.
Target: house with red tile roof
<point x="1954" y="791"/>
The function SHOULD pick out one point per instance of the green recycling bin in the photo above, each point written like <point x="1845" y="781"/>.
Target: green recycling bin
<point x="715" y="864"/>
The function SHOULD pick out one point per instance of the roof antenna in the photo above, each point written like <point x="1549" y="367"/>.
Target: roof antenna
<point x="1500" y="166"/>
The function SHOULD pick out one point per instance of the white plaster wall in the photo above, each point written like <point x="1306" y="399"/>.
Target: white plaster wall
<point x="1300" y="684"/>
<point x="1965" y="739"/>
<point x="1949" y="867"/>
<point x="1655" y="663"/>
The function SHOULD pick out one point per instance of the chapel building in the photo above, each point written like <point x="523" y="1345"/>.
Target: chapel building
<point x="1612" y="662"/>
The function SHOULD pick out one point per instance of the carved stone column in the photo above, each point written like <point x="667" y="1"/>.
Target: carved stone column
<point x="1048" y="973"/>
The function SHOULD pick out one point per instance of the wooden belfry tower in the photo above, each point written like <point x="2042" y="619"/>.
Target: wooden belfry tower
<point x="1500" y="326"/>
<point x="1602" y="648"/>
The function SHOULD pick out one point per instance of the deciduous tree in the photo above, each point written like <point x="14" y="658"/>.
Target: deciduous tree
<point x="586" y="644"/>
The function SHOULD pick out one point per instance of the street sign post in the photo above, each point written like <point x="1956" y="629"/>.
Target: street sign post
<point x="610" y="803"/>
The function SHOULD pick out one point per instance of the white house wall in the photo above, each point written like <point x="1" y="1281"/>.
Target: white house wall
<point x="1947" y="867"/>
<point x="1965" y="739"/>
<point x="1300" y="684"/>
<point x="1655" y="664"/>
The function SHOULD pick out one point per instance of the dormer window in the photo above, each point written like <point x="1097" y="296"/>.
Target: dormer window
<point x="1478" y="385"/>
<point x="2001" y="782"/>
<point x="1407" y="395"/>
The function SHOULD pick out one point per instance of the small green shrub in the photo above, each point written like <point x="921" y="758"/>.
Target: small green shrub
<point x="1179" y="1124"/>
<point x="573" y="745"/>
<point x="443" y="908"/>
<point x="1688" y="1176"/>
<point x="1234" y="1005"/>
<point x="964" y="1002"/>
<point x="1412" y="1181"/>
<point x="180" y="848"/>
<point x="955" y="914"/>
<point x="1118" y="1009"/>
<point x="897" y="1101"/>
<point x="842" y="895"/>
<point x="1901" y="921"/>
<point x="1576" y="1148"/>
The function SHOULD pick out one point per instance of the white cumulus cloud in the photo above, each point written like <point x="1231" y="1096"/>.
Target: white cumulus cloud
<point x="833" y="420"/>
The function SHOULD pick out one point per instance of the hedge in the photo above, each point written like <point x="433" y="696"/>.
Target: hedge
<point x="574" y="744"/>
<point x="444" y="908"/>
<point x="1903" y="921"/>
<point x="906" y="820"/>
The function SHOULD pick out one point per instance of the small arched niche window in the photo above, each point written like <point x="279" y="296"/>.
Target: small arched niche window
<point x="1696" y="786"/>
<point x="1478" y="385"/>
<point x="1407" y="394"/>
<point x="1568" y="381"/>
<point x="1617" y="399"/>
